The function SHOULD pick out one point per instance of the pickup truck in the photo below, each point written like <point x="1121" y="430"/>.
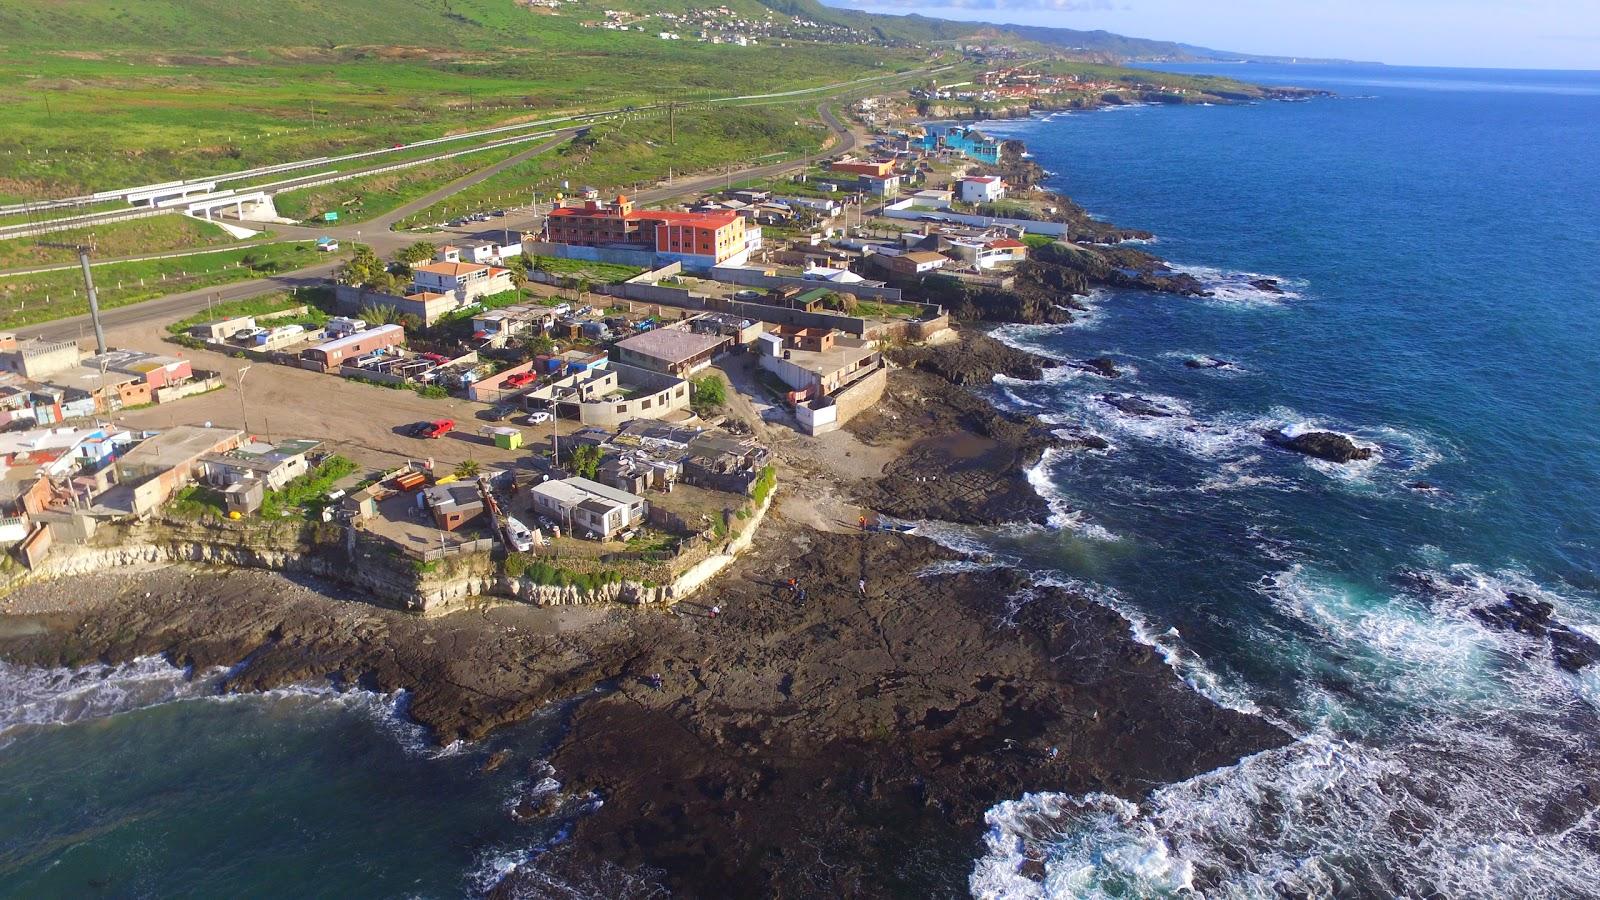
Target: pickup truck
<point x="435" y="429"/>
<point x="521" y="379"/>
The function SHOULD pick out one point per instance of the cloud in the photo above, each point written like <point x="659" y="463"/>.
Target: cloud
<point x="1048" y="5"/>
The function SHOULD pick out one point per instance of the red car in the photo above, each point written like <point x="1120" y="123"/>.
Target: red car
<point x="520" y="379"/>
<point x="435" y="429"/>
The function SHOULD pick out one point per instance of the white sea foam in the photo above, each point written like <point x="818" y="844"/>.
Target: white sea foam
<point x="1232" y="370"/>
<point x="1063" y="516"/>
<point x="1320" y="817"/>
<point x="32" y="696"/>
<point x="1168" y="643"/>
<point x="1235" y="289"/>
<point x="42" y="697"/>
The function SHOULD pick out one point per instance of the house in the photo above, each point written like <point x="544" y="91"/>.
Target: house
<point x="723" y="461"/>
<point x="463" y="282"/>
<point x="815" y="361"/>
<point x="986" y="253"/>
<point x="833" y="376"/>
<point x="157" y="467"/>
<point x="36" y="357"/>
<point x="877" y="168"/>
<point x="485" y="252"/>
<point x="607" y="397"/>
<point x="222" y="329"/>
<point x="932" y="199"/>
<point x="156" y="370"/>
<point x="453" y="505"/>
<point x="915" y="262"/>
<point x="670" y="351"/>
<point x="982" y="189"/>
<point x="328" y="356"/>
<point x="272" y="465"/>
<point x="888" y="186"/>
<point x="110" y="390"/>
<point x="589" y="508"/>
<point x="700" y="239"/>
<point x="740" y="329"/>
<point x="834" y="275"/>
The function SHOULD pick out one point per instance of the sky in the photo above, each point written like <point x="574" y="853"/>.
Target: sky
<point x="1516" y="34"/>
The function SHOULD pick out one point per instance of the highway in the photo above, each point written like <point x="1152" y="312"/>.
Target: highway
<point x="376" y="233"/>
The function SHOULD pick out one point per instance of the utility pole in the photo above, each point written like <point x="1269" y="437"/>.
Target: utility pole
<point x="243" y="414"/>
<point x="672" y="122"/>
<point x="88" y="287"/>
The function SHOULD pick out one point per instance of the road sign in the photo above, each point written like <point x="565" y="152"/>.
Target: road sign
<point x="330" y="217"/>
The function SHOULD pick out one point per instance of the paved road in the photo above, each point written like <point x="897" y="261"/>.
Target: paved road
<point x="845" y="140"/>
<point x="376" y="234"/>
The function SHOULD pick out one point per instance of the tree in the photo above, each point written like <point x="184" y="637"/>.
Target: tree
<point x="469" y="468"/>
<point x="710" y="391"/>
<point x="585" y="461"/>
<point x="538" y="343"/>
<point x="421" y="251"/>
<point x="379" y="314"/>
<point x="364" y="269"/>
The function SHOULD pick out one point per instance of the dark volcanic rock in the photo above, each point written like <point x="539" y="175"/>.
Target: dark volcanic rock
<point x="850" y="746"/>
<point x="1328" y="445"/>
<point x="966" y="461"/>
<point x="1570" y="650"/>
<point x="1134" y="405"/>
<point x="973" y="361"/>
<point x="1104" y="366"/>
<point x="1207" y="362"/>
<point x="1267" y="285"/>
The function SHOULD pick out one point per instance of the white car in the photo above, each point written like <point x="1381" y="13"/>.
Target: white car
<point x="538" y="418"/>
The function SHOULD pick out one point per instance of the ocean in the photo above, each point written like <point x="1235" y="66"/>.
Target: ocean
<point x="1436" y="235"/>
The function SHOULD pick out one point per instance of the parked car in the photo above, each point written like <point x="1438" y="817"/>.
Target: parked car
<point x="498" y="214"/>
<point x="521" y="379"/>
<point x="457" y="223"/>
<point x="536" y="418"/>
<point x="436" y="429"/>
<point x="497" y="413"/>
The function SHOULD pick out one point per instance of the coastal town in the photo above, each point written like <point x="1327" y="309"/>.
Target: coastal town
<point x="670" y="457"/>
<point x="592" y="401"/>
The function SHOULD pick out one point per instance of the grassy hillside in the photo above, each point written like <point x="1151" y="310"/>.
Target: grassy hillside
<point x="177" y="89"/>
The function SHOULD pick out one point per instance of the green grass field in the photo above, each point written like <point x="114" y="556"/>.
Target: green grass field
<point x="101" y="98"/>
<point x="25" y="299"/>
<point x="138" y="237"/>
<point x="360" y="199"/>
<point x="620" y="156"/>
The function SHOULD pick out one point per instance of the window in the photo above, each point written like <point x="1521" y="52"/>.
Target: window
<point x="645" y="403"/>
<point x="622" y="407"/>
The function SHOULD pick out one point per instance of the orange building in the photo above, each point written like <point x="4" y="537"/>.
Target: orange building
<point x="710" y="238"/>
<point x="876" y="168"/>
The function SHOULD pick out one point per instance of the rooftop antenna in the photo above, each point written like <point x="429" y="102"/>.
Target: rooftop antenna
<point x="83" y="251"/>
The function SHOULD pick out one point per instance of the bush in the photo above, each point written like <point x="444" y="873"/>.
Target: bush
<point x="710" y="390"/>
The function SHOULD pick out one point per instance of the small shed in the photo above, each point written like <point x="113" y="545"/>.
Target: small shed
<point x="507" y="438"/>
<point x="244" y="497"/>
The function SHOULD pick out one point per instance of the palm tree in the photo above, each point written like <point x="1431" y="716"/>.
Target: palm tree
<point x="469" y="468"/>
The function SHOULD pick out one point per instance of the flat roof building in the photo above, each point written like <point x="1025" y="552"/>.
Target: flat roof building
<point x="671" y="351"/>
<point x="588" y="508"/>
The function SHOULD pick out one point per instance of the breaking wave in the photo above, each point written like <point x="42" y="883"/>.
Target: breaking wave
<point x="1237" y="289"/>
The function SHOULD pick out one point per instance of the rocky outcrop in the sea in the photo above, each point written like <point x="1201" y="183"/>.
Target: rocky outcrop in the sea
<point x="1207" y="362"/>
<point x="1570" y="649"/>
<point x="963" y="460"/>
<point x="1135" y="405"/>
<point x="1104" y="366"/>
<point x="972" y="361"/>
<point x="1329" y="445"/>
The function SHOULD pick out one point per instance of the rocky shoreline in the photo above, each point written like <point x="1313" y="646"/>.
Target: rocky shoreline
<point x="847" y="743"/>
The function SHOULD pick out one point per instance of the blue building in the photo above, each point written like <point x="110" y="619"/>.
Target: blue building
<point x="970" y="142"/>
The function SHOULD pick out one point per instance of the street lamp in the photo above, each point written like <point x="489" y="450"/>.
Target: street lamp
<point x="245" y="416"/>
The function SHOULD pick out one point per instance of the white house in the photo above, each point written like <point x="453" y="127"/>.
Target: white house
<point x="589" y="508"/>
<point x="982" y="189"/>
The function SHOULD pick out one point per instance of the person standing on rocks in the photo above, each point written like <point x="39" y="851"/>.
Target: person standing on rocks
<point x="715" y="610"/>
<point x="861" y="585"/>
